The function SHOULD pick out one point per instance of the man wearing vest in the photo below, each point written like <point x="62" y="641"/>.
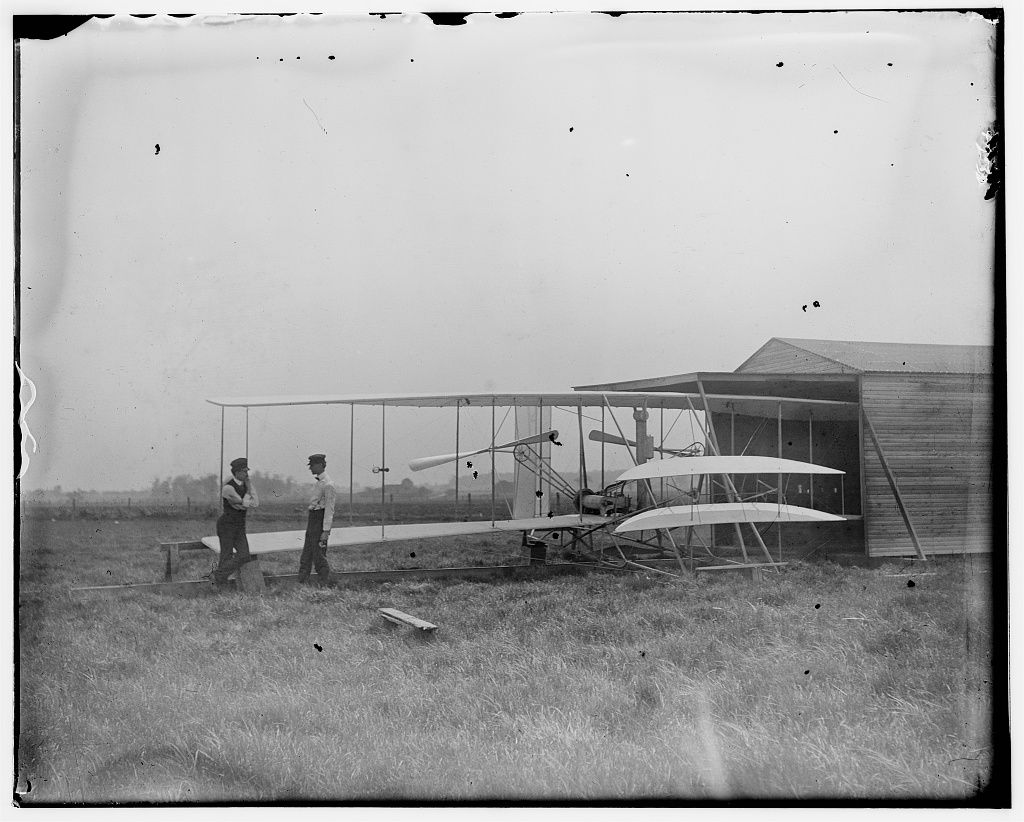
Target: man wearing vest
<point x="237" y="497"/>
<point x="318" y="524"/>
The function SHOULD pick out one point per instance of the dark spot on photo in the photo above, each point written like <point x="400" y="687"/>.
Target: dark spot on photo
<point x="778" y="64"/>
<point x="319" y="649"/>
<point x="910" y="583"/>
<point x="412" y="554"/>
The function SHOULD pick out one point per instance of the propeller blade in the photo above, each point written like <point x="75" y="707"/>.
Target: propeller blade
<point x="432" y="462"/>
<point x="611" y="439"/>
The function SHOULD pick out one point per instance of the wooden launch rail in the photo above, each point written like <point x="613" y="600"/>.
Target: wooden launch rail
<point x="340" y="578"/>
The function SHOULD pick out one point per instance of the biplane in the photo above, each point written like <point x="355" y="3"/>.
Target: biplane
<point x="637" y="513"/>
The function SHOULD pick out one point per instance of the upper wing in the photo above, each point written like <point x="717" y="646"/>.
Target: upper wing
<point x="793" y="407"/>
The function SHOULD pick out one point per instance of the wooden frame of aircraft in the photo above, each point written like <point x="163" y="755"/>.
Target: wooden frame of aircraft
<point x="643" y="520"/>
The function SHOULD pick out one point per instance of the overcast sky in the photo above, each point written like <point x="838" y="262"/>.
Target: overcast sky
<point x="364" y="205"/>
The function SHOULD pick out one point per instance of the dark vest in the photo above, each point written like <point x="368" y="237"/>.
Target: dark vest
<point x="233" y="515"/>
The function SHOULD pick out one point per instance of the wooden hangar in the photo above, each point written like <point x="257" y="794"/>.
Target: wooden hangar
<point x="911" y="425"/>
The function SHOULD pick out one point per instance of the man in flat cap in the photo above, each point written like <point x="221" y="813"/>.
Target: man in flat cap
<point x="237" y="496"/>
<point x="319" y="522"/>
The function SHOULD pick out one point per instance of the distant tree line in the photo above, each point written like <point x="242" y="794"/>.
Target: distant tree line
<point x="185" y="486"/>
<point x="206" y="488"/>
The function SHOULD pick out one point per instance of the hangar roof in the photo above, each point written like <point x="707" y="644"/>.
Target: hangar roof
<point x="841" y="387"/>
<point x="867" y="357"/>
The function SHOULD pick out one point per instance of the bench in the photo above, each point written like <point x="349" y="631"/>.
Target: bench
<point x="402" y="618"/>
<point x="172" y="552"/>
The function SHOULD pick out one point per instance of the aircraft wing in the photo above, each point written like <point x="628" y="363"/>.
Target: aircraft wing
<point x="680" y="516"/>
<point x="271" y="541"/>
<point x="795" y="407"/>
<point x="692" y="466"/>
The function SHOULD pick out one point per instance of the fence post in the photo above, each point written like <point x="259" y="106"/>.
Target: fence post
<point x="74" y="509"/>
<point x="188" y="504"/>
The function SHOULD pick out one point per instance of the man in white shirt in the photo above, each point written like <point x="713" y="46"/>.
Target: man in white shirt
<point x="318" y="524"/>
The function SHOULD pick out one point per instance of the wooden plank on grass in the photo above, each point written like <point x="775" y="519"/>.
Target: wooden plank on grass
<point x="739" y="566"/>
<point x="755" y="570"/>
<point x="400" y="617"/>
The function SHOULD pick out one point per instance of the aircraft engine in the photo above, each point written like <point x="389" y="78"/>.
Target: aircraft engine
<point x="603" y="503"/>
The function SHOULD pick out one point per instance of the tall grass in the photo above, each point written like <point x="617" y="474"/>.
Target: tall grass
<point x="821" y="682"/>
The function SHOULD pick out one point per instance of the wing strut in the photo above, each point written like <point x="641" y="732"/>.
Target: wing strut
<point x="731" y="488"/>
<point x="675" y="547"/>
<point x="494" y="434"/>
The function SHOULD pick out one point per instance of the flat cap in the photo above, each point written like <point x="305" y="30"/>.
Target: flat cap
<point x="318" y="458"/>
<point x="239" y="464"/>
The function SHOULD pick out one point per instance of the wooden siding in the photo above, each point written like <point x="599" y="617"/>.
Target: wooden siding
<point x="936" y="433"/>
<point x="776" y="356"/>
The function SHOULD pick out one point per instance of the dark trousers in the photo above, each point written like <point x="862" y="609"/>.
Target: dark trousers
<point x="312" y="554"/>
<point x="234" y="549"/>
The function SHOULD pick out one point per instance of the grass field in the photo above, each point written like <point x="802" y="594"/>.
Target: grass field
<point x="822" y="682"/>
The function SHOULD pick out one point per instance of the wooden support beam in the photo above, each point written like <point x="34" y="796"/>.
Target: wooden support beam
<point x="754" y="570"/>
<point x="172" y="554"/>
<point x="173" y="561"/>
<point x="190" y="545"/>
<point x="892" y="484"/>
<point x="402" y="618"/>
<point x="189" y="587"/>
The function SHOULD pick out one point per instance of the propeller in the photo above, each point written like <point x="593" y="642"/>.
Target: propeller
<point x="431" y="462"/>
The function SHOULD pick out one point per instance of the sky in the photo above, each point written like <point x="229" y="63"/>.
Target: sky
<point x="348" y="204"/>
